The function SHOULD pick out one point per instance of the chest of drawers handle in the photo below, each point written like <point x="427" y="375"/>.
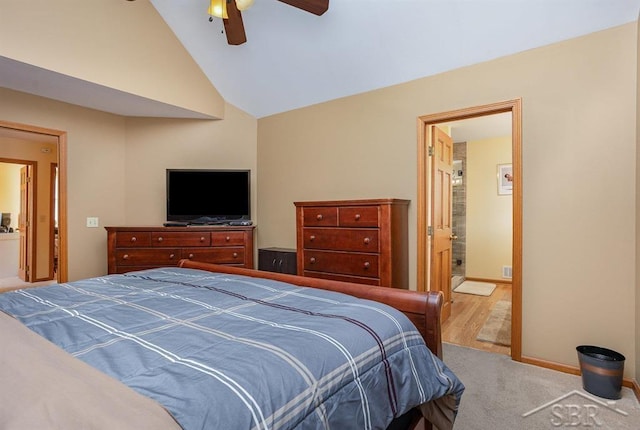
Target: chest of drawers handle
<point x="160" y="239"/>
<point x="201" y="238"/>
<point x="125" y="257"/>
<point x="357" y="217"/>
<point x="235" y="255"/>
<point x="190" y="256"/>
<point x="367" y="240"/>
<point x="312" y="238"/>
<point x="227" y="238"/>
<point x="133" y="239"/>
<point x="171" y="256"/>
<point x="366" y="265"/>
<point x="312" y="260"/>
<point x="319" y="217"/>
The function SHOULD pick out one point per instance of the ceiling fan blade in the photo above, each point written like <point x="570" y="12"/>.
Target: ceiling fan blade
<point x="233" y="26"/>
<point x="316" y="7"/>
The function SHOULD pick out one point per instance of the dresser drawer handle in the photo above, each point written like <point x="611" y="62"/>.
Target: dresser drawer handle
<point x="125" y="257"/>
<point x="190" y="256"/>
<point x="367" y="240"/>
<point x="312" y="238"/>
<point x="319" y="217"/>
<point x="171" y="256"/>
<point x="312" y="260"/>
<point x="133" y="239"/>
<point x="367" y="265"/>
<point x="357" y="217"/>
<point x="235" y="255"/>
<point x="202" y="239"/>
<point x="160" y="239"/>
<point x="227" y="238"/>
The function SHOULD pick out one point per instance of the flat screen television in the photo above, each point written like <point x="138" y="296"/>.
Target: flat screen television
<point x="207" y="196"/>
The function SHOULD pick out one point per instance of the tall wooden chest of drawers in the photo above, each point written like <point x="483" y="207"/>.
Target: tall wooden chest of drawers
<point x="363" y="241"/>
<point x="137" y="248"/>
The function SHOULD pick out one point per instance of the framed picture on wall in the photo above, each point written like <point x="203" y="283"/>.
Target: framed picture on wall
<point x="505" y="179"/>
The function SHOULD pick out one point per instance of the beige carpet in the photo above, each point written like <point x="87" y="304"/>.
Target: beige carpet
<point x="502" y="394"/>
<point x="475" y="287"/>
<point x="497" y="328"/>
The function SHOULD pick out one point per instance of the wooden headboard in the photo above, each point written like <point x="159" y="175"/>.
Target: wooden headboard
<point x="422" y="308"/>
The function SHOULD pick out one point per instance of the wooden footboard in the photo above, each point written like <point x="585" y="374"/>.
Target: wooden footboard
<point x="422" y="308"/>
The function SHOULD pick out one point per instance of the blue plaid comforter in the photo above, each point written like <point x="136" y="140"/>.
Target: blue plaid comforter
<point x="228" y="352"/>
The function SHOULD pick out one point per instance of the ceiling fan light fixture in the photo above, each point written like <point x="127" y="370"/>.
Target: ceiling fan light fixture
<point x="244" y="4"/>
<point x="218" y="8"/>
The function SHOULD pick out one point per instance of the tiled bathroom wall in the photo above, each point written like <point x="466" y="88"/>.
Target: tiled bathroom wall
<point x="459" y="209"/>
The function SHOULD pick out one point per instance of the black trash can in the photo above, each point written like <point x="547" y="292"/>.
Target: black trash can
<point x="602" y="371"/>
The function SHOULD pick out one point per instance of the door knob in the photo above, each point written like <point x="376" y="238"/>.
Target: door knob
<point x="453" y="237"/>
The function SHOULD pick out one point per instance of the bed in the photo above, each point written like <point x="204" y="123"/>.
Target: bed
<point x="202" y="346"/>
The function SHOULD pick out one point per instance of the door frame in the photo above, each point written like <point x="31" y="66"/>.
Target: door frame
<point x="61" y="136"/>
<point x="424" y="124"/>
<point x="53" y="243"/>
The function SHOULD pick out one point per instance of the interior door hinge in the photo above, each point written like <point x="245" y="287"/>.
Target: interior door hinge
<point x="430" y="231"/>
<point x="430" y="151"/>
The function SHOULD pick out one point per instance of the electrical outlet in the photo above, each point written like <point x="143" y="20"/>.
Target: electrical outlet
<point x="92" y="221"/>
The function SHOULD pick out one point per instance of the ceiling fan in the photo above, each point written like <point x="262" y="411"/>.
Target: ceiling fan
<point x="230" y="12"/>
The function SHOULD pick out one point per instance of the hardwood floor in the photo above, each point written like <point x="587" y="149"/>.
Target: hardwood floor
<point x="468" y="314"/>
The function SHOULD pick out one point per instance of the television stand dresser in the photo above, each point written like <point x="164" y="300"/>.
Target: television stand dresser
<point x="138" y="248"/>
<point x="362" y="241"/>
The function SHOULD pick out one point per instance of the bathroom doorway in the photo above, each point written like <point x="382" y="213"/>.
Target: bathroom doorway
<point x="513" y="109"/>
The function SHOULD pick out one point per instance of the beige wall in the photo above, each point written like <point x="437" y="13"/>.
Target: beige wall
<point x="154" y="145"/>
<point x="96" y="175"/>
<point x="116" y="166"/>
<point x="489" y="215"/>
<point x="122" y="45"/>
<point x="579" y="146"/>
<point x="32" y="151"/>
<point x="637" y="280"/>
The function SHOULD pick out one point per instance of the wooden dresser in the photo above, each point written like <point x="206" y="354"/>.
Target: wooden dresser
<point x="137" y="248"/>
<point x="363" y="241"/>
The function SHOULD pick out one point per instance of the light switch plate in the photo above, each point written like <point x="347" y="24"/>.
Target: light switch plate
<point x="92" y="221"/>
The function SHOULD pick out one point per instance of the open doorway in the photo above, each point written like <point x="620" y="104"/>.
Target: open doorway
<point x="481" y="239"/>
<point x="19" y="235"/>
<point x="44" y="150"/>
<point x="433" y="272"/>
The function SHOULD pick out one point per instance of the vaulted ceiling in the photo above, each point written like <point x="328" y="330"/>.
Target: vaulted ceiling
<point x="293" y="59"/>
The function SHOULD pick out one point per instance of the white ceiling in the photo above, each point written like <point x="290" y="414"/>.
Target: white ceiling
<point x="294" y="59"/>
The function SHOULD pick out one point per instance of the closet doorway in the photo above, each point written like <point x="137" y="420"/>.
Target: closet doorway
<point x="14" y="132"/>
<point x="435" y="234"/>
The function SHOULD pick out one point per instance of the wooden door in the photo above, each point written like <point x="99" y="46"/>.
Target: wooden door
<point x="24" y="224"/>
<point x="441" y="216"/>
